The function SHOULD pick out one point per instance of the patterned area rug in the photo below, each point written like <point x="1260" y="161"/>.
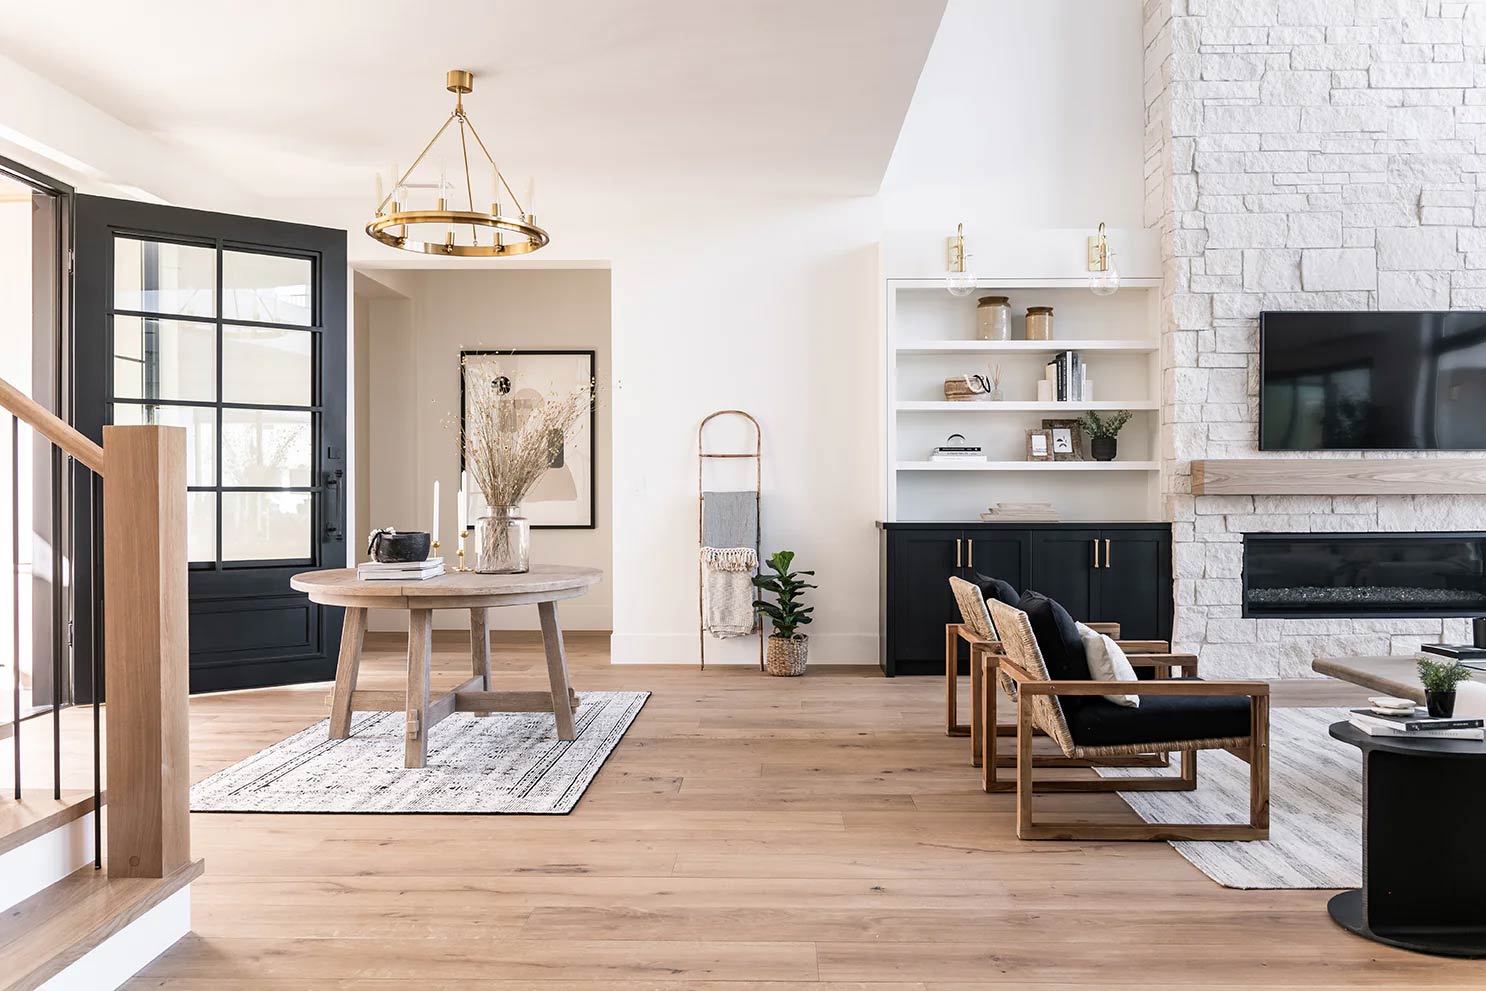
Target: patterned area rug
<point x="505" y="763"/>
<point x="1315" y="817"/>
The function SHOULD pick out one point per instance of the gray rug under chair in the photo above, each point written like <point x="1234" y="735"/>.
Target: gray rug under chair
<point x="1315" y="814"/>
<point x="510" y="763"/>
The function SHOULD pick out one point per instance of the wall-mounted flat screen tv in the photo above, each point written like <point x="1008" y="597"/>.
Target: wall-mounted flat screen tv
<point x="1372" y="381"/>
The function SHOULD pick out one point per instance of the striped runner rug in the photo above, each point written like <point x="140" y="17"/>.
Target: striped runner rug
<point x="1315" y="817"/>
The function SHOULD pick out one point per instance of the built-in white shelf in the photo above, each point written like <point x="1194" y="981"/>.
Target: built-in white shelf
<point x="1006" y="406"/>
<point x="1015" y="347"/>
<point x="931" y="336"/>
<point x="1029" y="466"/>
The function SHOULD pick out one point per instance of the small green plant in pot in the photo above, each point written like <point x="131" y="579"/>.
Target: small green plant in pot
<point x="1440" y="679"/>
<point x="788" y="647"/>
<point x="1102" y="432"/>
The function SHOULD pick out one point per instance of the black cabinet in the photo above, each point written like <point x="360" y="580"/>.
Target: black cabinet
<point x="1102" y="572"/>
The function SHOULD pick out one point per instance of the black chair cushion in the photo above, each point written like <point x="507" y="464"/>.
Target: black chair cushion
<point x="1096" y="722"/>
<point x="995" y="588"/>
<point x="1057" y="637"/>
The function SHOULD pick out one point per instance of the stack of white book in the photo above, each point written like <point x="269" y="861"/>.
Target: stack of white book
<point x="961" y="452"/>
<point x="1417" y="725"/>
<point x="400" y="571"/>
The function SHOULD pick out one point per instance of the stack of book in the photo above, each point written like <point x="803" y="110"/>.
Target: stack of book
<point x="957" y="452"/>
<point x="1459" y="651"/>
<point x="1067" y="373"/>
<point x="1417" y="726"/>
<point x="400" y="571"/>
<point x="1021" y="512"/>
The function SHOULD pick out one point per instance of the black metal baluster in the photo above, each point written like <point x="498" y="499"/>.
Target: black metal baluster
<point x="15" y="562"/>
<point x="95" y="587"/>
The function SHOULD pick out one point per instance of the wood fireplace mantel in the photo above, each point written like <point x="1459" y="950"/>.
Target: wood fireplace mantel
<point x="1339" y="476"/>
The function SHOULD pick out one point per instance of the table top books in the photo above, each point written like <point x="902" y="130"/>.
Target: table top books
<point x="400" y="571"/>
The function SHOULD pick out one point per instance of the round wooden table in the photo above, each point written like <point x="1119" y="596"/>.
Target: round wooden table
<point x="543" y="585"/>
<point x="1423" y="871"/>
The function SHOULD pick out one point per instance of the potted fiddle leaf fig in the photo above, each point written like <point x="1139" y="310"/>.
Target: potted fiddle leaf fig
<point x="788" y="648"/>
<point x="1103" y="431"/>
<point x="1440" y="679"/>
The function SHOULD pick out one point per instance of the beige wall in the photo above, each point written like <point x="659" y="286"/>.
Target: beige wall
<point x="411" y="416"/>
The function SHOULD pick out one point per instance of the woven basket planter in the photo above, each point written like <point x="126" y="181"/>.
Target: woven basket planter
<point x="787" y="655"/>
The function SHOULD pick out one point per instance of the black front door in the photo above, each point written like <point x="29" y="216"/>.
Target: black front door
<point x="235" y="329"/>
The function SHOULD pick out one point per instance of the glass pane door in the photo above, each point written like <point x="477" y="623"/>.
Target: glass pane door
<point x="221" y="342"/>
<point x="233" y="328"/>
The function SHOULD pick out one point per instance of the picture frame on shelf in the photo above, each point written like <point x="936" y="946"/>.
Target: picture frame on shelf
<point x="1067" y="439"/>
<point x="1039" y="445"/>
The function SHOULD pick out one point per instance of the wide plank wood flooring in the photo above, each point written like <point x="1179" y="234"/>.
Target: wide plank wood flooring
<point x="749" y="834"/>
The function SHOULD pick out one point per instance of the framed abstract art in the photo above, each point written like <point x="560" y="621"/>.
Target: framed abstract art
<point x="564" y="497"/>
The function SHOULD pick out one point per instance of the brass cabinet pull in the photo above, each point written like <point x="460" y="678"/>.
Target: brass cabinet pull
<point x="970" y="552"/>
<point x="1106" y="554"/>
<point x="958" y="542"/>
<point x="1096" y="553"/>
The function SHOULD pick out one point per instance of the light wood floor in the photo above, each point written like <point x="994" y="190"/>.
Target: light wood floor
<point x="748" y="834"/>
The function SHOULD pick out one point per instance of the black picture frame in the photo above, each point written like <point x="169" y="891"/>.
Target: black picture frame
<point x="593" y="447"/>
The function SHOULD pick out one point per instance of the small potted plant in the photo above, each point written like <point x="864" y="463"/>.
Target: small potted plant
<point x="1440" y="679"/>
<point x="788" y="647"/>
<point x="1103" y="431"/>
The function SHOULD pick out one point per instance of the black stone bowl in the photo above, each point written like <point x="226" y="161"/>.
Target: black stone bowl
<point x="388" y="548"/>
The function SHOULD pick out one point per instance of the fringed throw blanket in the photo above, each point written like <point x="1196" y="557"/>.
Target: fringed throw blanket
<point x="727" y="590"/>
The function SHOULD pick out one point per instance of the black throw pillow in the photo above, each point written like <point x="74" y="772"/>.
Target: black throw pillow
<point x="1057" y="637"/>
<point x="995" y="588"/>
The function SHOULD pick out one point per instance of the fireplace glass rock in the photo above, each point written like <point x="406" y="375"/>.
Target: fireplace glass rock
<point x="1341" y="575"/>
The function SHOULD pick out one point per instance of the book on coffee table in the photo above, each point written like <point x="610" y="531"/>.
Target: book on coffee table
<point x="1416" y="725"/>
<point x="1459" y="651"/>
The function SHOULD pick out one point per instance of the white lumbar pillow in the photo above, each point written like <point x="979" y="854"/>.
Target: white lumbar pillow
<point x="1107" y="662"/>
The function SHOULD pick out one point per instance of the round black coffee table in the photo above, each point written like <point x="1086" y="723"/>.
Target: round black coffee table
<point x="1423" y="849"/>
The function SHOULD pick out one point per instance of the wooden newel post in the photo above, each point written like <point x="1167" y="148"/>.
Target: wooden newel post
<point x="145" y="650"/>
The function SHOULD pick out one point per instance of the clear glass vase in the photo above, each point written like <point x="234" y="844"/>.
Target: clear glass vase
<point x="503" y="542"/>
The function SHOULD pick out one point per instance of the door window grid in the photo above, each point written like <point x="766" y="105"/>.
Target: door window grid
<point x="231" y="523"/>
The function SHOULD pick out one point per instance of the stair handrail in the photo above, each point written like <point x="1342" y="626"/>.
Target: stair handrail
<point x="50" y="426"/>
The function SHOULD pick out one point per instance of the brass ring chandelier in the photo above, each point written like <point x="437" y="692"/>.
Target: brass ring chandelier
<point x="440" y="231"/>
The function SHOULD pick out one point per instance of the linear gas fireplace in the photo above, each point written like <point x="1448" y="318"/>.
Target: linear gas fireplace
<point x="1360" y="575"/>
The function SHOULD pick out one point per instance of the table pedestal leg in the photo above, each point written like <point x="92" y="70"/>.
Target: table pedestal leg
<point x="557" y="670"/>
<point x="420" y="651"/>
<point x="480" y="646"/>
<point x="346" y="667"/>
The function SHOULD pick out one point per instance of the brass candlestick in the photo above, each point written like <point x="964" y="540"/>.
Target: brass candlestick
<point x="461" y="567"/>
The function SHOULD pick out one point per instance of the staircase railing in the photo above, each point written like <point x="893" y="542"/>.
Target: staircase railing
<point x="137" y="485"/>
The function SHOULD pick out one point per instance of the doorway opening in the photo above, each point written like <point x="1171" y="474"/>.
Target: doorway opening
<point x="414" y="331"/>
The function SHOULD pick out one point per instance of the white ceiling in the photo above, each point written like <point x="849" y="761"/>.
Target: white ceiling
<point x="307" y="98"/>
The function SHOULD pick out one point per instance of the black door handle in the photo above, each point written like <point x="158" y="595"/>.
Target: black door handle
<point x="333" y="529"/>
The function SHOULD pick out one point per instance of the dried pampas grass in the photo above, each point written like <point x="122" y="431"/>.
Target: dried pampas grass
<point x="508" y="444"/>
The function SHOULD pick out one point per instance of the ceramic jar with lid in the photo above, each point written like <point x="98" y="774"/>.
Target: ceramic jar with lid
<point x="1039" y="323"/>
<point x="993" y="318"/>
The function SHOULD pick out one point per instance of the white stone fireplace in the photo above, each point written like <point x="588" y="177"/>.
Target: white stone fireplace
<point x="1301" y="155"/>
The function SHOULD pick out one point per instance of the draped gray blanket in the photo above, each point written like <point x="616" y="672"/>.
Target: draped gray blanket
<point x="730" y="519"/>
<point x="729" y="559"/>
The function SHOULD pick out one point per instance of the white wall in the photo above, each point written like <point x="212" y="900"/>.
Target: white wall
<point x="412" y="424"/>
<point x="1028" y="114"/>
<point x="732" y="298"/>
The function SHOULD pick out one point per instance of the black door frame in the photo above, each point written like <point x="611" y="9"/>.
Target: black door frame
<point x="261" y="585"/>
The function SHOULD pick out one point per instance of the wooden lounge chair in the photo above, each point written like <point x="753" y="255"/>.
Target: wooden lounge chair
<point x="1183" y="715"/>
<point x="985" y="652"/>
